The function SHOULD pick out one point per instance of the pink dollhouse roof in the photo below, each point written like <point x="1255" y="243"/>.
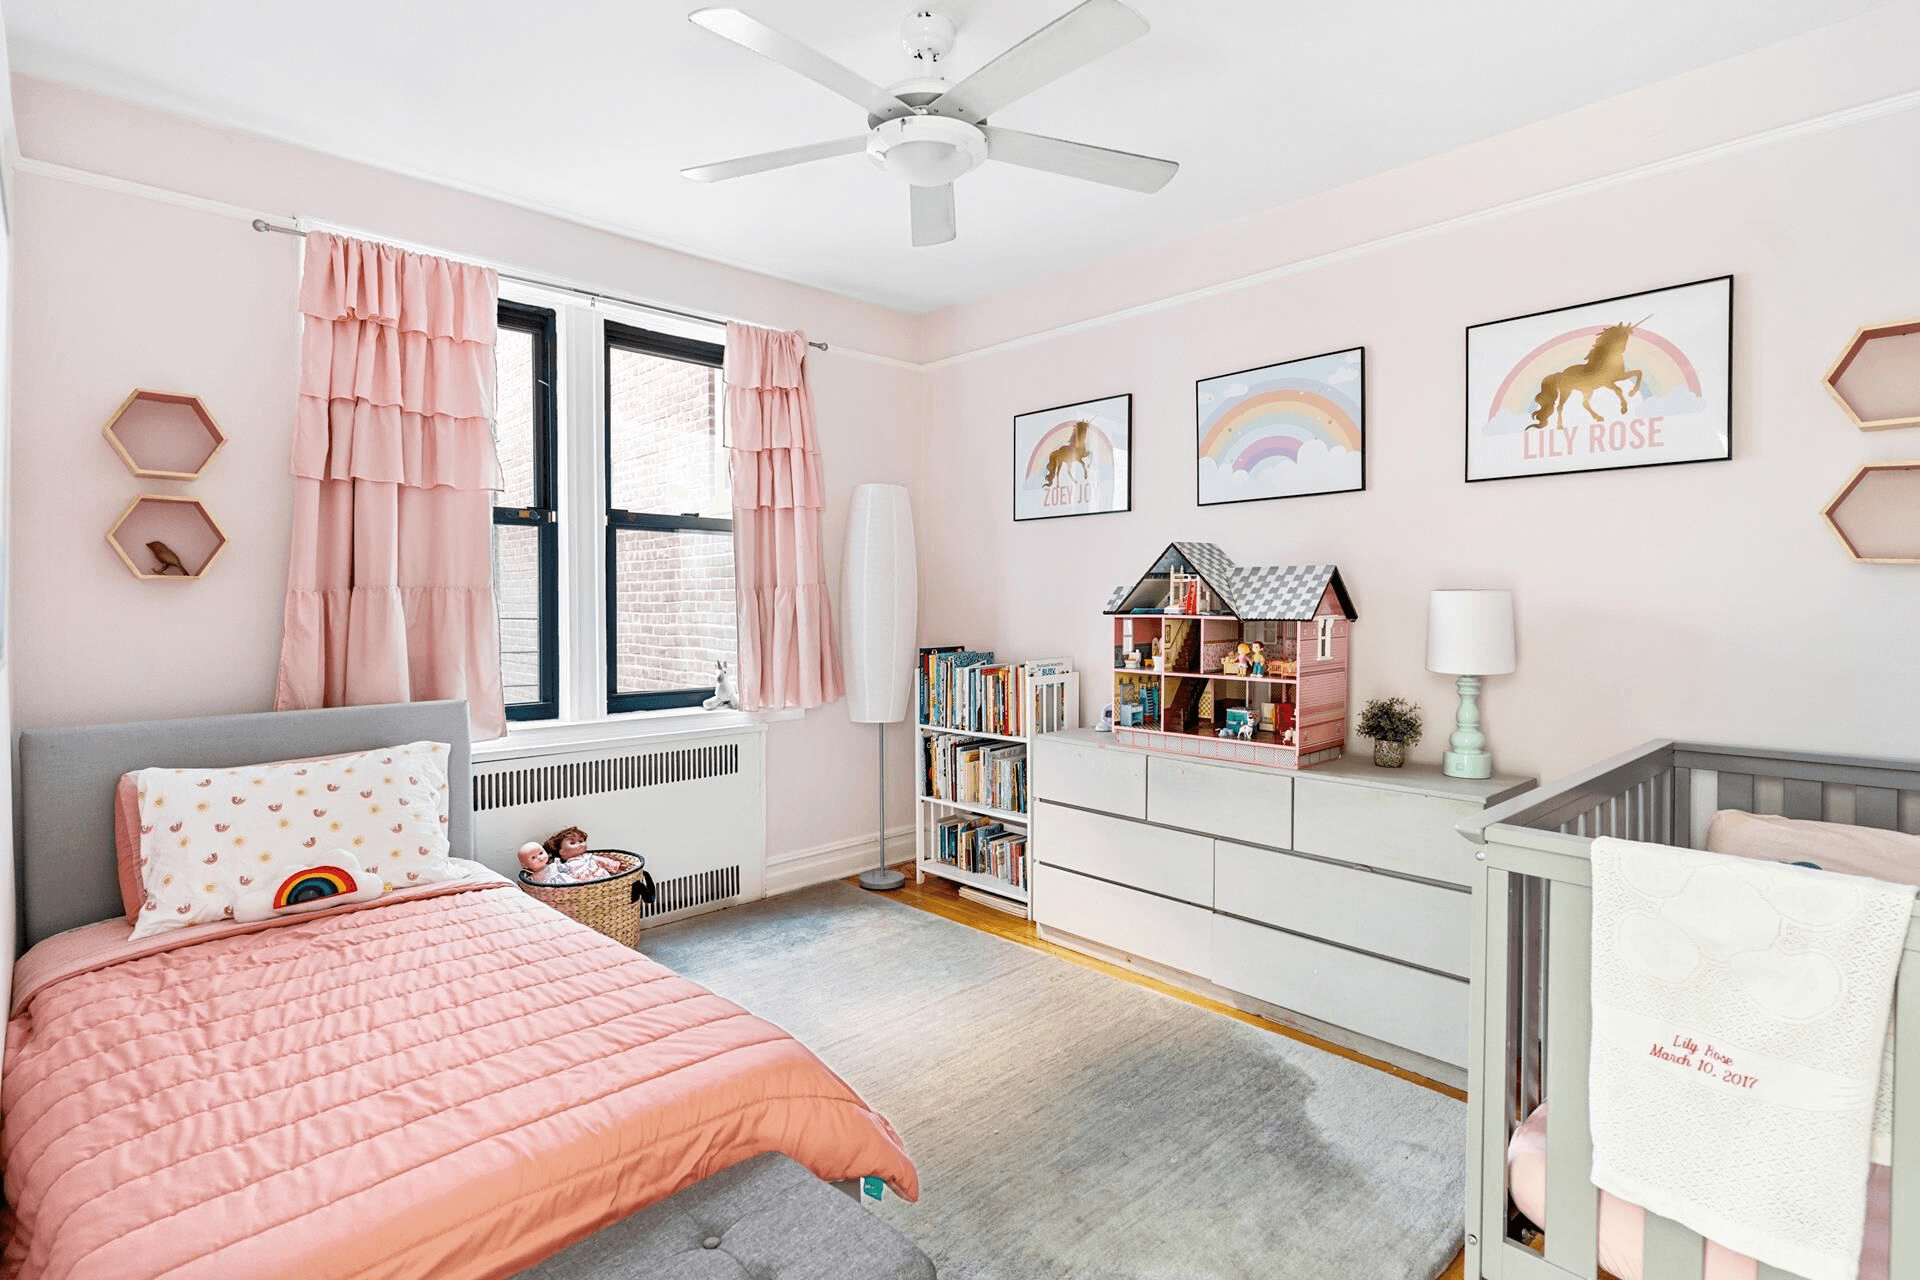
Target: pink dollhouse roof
<point x="1262" y="593"/>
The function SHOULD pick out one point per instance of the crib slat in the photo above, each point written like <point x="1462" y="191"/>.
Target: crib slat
<point x="1903" y="1247"/>
<point x="1672" y="1252"/>
<point x="1488" y="1068"/>
<point x="1682" y="808"/>
<point x="1800" y="799"/>
<point x="1876" y="807"/>
<point x="1736" y="792"/>
<point x="1573" y="1206"/>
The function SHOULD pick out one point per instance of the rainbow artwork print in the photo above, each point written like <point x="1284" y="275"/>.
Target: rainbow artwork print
<point x="1073" y="460"/>
<point x="1636" y="381"/>
<point x="1283" y="431"/>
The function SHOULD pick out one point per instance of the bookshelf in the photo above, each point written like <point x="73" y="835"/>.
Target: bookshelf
<point x="975" y="718"/>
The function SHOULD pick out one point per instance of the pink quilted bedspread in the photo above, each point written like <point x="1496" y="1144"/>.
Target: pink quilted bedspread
<point x="453" y="1085"/>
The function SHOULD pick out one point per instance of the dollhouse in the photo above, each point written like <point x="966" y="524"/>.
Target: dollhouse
<point x="1225" y="662"/>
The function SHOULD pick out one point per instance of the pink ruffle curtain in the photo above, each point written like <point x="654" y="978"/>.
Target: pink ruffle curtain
<point x="390" y="574"/>
<point x="789" y="653"/>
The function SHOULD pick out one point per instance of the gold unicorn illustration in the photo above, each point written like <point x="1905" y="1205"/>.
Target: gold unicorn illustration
<point x="1068" y="454"/>
<point x="1605" y="366"/>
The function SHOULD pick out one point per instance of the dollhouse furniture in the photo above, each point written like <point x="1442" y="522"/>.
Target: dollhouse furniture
<point x="1337" y="899"/>
<point x="1269" y="641"/>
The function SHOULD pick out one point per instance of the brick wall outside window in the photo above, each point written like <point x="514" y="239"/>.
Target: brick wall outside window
<point x="516" y="549"/>
<point x="673" y="589"/>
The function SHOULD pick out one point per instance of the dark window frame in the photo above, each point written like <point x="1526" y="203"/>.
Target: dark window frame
<point x="671" y="347"/>
<point x="544" y="515"/>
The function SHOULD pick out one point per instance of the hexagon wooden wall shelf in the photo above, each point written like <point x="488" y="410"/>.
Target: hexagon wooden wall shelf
<point x="163" y="435"/>
<point x="184" y="524"/>
<point x="1877" y="515"/>
<point x="1877" y="378"/>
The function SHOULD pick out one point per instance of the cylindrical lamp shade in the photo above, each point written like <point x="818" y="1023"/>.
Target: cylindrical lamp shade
<point x="1470" y="633"/>
<point x="879" y="605"/>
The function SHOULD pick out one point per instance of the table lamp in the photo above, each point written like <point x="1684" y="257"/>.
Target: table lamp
<point x="1469" y="635"/>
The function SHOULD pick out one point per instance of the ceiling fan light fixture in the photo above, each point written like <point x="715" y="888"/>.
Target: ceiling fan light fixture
<point x="927" y="151"/>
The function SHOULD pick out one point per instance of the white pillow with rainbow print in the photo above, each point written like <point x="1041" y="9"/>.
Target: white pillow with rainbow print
<point x="210" y="836"/>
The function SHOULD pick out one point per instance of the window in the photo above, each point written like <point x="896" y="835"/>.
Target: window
<point x="669" y="545"/>
<point x="526" y="559"/>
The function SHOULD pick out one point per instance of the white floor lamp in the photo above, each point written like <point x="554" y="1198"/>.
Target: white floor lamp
<point x="1469" y="635"/>
<point x="879" y="608"/>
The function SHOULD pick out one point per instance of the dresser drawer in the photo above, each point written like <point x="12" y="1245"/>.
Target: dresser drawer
<point x="1377" y="827"/>
<point x="1139" y="924"/>
<point x="1422" y="924"/>
<point x="1102" y="778"/>
<point x="1222" y="801"/>
<point x="1172" y="863"/>
<point x="1411" y="1008"/>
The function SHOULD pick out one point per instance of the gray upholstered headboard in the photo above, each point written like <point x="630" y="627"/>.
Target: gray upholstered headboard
<point x="67" y="779"/>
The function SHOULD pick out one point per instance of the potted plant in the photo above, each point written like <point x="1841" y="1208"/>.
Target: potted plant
<point x="1394" y="725"/>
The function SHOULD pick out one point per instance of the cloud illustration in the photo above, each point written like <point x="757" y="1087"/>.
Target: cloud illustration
<point x="1236" y="389"/>
<point x="1319" y="469"/>
<point x="1345" y="373"/>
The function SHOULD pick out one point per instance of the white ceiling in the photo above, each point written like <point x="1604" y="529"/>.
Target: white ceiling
<point x="588" y="108"/>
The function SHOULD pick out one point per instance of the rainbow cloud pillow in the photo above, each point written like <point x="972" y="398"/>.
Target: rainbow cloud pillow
<point x="337" y="880"/>
<point x="210" y="837"/>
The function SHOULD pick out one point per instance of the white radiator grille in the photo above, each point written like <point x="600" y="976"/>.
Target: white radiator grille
<point x="697" y="890"/>
<point x="532" y="784"/>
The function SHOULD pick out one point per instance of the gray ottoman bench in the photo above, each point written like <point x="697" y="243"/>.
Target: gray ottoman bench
<point x="765" y="1219"/>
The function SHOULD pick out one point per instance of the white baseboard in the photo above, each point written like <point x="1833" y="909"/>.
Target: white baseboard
<point x="836" y="861"/>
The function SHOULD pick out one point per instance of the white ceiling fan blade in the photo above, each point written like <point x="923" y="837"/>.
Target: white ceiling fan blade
<point x="777" y="46"/>
<point x="1078" y="160"/>
<point x="745" y="165"/>
<point x="1072" y="40"/>
<point x="933" y="215"/>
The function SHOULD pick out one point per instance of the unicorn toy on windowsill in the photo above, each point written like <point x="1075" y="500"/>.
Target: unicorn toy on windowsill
<point x="725" y="692"/>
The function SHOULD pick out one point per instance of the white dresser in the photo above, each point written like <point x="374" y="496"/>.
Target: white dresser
<point x="1337" y="898"/>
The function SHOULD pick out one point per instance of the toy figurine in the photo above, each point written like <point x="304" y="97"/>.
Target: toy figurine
<point x="165" y="560"/>
<point x="1259" y="660"/>
<point x="725" y="692"/>
<point x="1242" y="659"/>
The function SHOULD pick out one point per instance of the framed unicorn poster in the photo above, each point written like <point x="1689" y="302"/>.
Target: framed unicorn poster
<point x="1283" y="431"/>
<point x="1642" y="380"/>
<point x="1076" y="460"/>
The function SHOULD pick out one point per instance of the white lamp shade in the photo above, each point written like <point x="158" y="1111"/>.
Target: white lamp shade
<point x="879" y="605"/>
<point x="1470" y="633"/>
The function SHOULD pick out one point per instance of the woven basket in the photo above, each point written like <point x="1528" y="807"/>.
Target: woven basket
<point x="610" y="906"/>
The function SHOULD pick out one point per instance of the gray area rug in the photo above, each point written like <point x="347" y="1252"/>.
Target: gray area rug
<point x="1068" y="1124"/>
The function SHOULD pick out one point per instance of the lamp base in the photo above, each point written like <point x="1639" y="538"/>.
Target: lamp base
<point x="886" y="878"/>
<point x="1467" y="764"/>
<point x="1467" y="755"/>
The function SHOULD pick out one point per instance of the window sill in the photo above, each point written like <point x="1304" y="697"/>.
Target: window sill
<point x="531" y="738"/>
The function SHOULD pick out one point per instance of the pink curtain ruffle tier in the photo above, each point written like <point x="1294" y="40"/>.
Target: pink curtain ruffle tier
<point x="789" y="651"/>
<point x="390" y="573"/>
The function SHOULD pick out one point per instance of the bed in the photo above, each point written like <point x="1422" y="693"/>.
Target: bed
<point x="451" y="1081"/>
<point x="1531" y="1006"/>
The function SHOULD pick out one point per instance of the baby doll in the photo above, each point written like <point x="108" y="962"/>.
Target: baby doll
<point x="564" y="859"/>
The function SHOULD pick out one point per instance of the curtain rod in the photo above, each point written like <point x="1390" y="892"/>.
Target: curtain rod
<point x="261" y="224"/>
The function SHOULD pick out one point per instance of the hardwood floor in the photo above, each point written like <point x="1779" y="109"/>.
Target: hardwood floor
<point x="941" y="898"/>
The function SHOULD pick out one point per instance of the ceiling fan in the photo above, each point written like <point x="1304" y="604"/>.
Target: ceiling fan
<point x="927" y="131"/>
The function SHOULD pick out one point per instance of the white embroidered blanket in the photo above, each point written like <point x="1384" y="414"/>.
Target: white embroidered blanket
<point x="1739" y="1018"/>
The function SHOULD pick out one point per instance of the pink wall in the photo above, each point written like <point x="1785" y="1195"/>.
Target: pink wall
<point x="124" y="291"/>
<point x="1702" y="600"/>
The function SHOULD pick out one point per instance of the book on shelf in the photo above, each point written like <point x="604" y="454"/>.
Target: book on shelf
<point x="966" y="690"/>
<point x="982" y="846"/>
<point x="980" y="771"/>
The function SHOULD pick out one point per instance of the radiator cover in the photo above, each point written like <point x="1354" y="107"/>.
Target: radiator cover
<point x="694" y="807"/>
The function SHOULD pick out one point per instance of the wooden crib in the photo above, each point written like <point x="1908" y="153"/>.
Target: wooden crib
<point x="1533" y="919"/>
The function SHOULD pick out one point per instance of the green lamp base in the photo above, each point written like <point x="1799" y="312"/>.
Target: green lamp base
<point x="1467" y="755"/>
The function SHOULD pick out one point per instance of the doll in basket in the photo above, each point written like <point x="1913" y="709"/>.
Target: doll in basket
<point x="564" y="859"/>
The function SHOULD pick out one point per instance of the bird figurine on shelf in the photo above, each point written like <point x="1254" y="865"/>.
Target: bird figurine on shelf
<point x="166" y="560"/>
